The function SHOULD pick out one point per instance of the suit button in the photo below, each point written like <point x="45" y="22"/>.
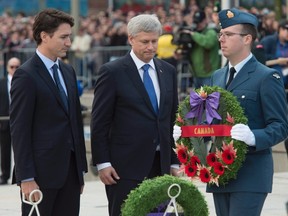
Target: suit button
<point x="154" y="141"/>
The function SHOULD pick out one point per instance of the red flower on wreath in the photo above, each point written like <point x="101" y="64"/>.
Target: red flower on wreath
<point x="190" y="170"/>
<point x="194" y="160"/>
<point x="211" y="159"/>
<point x="229" y="153"/>
<point x="218" y="168"/>
<point x="182" y="153"/>
<point x="227" y="157"/>
<point x="205" y="175"/>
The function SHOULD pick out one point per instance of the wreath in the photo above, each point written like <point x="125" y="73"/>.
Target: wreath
<point x="153" y="192"/>
<point x="218" y="164"/>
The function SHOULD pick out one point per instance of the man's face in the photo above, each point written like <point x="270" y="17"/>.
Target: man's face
<point x="283" y="34"/>
<point x="57" y="44"/>
<point x="232" y="41"/>
<point x="201" y="25"/>
<point x="12" y="65"/>
<point x="144" y="45"/>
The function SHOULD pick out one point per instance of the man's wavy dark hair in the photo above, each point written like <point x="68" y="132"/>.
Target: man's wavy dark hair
<point x="48" y="21"/>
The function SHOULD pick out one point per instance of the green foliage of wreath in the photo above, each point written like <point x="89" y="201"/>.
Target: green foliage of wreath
<point x="227" y="104"/>
<point x="152" y="192"/>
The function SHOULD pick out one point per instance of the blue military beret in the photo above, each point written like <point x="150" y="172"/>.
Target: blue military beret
<point x="230" y="17"/>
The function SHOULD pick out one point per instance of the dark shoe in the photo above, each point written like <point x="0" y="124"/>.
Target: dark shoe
<point x="3" y="181"/>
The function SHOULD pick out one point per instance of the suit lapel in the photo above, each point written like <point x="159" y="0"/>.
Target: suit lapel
<point x="132" y="72"/>
<point x="243" y="74"/>
<point x="68" y="83"/>
<point x="162" y="83"/>
<point x="219" y="78"/>
<point x="223" y="77"/>
<point x="44" y="74"/>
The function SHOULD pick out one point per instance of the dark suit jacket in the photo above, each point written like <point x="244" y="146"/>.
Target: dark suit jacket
<point x="261" y="94"/>
<point x="42" y="131"/>
<point x="4" y="104"/>
<point x="125" y="130"/>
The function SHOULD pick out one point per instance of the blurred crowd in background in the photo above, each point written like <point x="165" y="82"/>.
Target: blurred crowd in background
<point x="108" y="28"/>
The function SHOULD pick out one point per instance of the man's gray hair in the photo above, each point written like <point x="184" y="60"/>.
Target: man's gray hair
<point x="144" y="23"/>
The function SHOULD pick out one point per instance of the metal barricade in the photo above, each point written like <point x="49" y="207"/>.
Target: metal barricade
<point x="87" y="67"/>
<point x="88" y="63"/>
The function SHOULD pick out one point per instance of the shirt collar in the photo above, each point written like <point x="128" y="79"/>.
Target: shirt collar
<point x="139" y="63"/>
<point x="239" y="66"/>
<point x="9" y="77"/>
<point x="47" y="62"/>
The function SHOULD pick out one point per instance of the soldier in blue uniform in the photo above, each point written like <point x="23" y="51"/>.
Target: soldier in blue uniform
<point x="260" y="91"/>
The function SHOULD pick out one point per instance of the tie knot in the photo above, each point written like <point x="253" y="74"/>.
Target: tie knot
<point x="232" y="70"/>
<point x="146" y="67"/>
<point x="55" y="67"/>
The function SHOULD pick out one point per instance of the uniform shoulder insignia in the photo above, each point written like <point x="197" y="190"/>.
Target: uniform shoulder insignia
<point x="277" y="76"/>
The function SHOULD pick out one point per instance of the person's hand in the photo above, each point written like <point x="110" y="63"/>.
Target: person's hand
<point x="187" y="31"/>
<point x="282" y="61"/>
<point x="176" y="132"/>
<point x="243" y="133"/>
<point x="27" y="188"/>
<point x="108" y="175"/>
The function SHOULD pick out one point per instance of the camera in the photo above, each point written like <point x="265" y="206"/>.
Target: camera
<point x="183" y="38"/>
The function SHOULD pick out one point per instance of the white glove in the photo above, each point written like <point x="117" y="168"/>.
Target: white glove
<point x="243" y="133"/>
<point x="176" y="132"/>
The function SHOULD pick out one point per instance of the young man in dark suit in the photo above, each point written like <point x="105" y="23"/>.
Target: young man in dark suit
<point x="261" y="93"/>
<point x="46" y="125"/>
<point x="133" y="114"/>
<point x="5" y="137"/>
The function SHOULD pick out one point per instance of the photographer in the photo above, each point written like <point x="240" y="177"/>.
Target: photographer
<point x="204" y="51"/>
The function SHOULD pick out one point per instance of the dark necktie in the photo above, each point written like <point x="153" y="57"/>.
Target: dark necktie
<point x="231" y="76"/>
<point x="59" y="86"/>
<point x="149" y="87"/>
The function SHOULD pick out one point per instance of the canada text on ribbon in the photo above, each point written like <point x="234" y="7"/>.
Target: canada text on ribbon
<point x="205" y="130"/>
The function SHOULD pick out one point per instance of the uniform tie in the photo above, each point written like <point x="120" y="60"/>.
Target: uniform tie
<point x="231" y="76"/>
<point x="59" y="86"/>
<point x="149" y="87"/>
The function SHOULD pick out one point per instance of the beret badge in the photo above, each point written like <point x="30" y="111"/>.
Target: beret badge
<point x="230" y="14"/>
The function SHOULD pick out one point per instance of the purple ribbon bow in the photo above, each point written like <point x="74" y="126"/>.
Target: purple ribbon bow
<point x="198" y="104"/>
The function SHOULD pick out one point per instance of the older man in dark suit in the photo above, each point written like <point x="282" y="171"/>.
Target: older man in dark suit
<point x="5" y="137"/>
<point x="133" y="114"/>
<point x="46" y="122"/>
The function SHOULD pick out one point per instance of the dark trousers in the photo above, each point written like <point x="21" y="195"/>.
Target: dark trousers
<point x="239" y="203"/>
<point x="118" y="193"/>
<point x="62" y="201"/>
<point x="5" y="149"/>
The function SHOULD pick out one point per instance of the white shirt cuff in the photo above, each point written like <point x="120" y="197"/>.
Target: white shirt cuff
<point x="103" y="165"/>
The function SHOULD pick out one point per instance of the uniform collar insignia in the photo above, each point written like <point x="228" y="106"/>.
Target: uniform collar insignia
<point x="277" y="76"/>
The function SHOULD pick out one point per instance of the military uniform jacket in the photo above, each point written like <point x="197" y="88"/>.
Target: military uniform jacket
<point x="260" y="91"/>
